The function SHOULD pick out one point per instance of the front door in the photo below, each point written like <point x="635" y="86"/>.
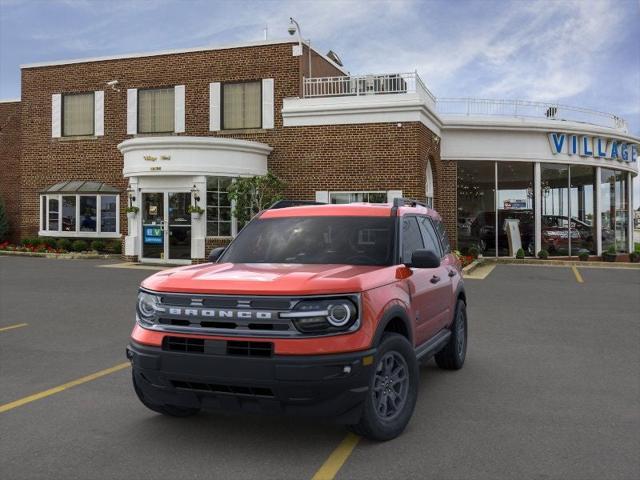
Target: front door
<point x="166" y="227"/>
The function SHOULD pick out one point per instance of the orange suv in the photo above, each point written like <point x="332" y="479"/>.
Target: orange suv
<point x="312" y="309"/>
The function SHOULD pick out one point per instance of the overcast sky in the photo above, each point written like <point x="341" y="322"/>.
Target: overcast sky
<point x="583" y="52"/>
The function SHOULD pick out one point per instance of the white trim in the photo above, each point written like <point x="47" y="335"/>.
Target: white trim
<point x="391" y="194"/>
<point x="98" y="112"/>
<point x="268" y="105"/>
<point x="10" y="100"/>
<point x="598" y="211"/>
<point x="537" y="207"/>
<point x="179" y="100"/>
<point x="78" y="233"/>
<point x="171" y="52"/>
<point x="630" y="219"/>
<point x="132" y="111"/>
<point x="214" y="107"/>
<point x="56" y="115"/>
<point x="322" y="196"/>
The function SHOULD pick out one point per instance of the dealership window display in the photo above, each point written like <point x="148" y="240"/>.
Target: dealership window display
<point x="476" y="207"/>
<point x="515" y="208"/>
<point x="614" y="209"/>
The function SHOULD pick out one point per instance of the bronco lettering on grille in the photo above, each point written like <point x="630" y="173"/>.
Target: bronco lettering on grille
<point x="215" y="313"/>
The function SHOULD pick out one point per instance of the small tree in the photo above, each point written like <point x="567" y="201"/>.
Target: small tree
<point x="253" y="194"/>
<point x="4" y="222"/>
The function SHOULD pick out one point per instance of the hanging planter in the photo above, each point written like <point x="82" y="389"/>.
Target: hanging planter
<point x="132" y="212"/>
<point x="195" y="211"/>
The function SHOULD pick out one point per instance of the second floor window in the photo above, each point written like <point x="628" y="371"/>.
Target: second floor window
<point x="242" y="105"/>
<point x="156" y="110"/>
<point x="77" y="114"/>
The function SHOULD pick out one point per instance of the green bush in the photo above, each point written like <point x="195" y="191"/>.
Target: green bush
<point x="4" y="222"/>
<point x="543" y="254"/>
<point x="634" y="257"/>
<point x="611" y="250"/>
<point x="47" y="242"/>
<point x="473" y="252"/>
<point x="520" y="253"/>
<point x="64" y="244"/>
<point x="114" y="247"/>
<point x="28" y="241"/>
<point x="79" y="246"/>
<point x="583" y="255"/>
<point x="98" y="245"/>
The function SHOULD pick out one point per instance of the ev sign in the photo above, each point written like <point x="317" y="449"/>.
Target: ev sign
<point x="597" y="147"/>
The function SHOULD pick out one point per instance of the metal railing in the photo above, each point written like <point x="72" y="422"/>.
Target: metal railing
<point x="528" y="109"/>
<point x="357" y="85"/>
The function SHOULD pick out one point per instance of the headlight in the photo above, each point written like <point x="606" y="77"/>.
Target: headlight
<point x="323" y="315"/>
<point x="147" y="307"/>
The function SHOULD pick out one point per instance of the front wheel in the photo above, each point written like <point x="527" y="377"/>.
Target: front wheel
<point x="393" y="391"/>
<point x="170" y="410"/>
<point x="452" y="356"/>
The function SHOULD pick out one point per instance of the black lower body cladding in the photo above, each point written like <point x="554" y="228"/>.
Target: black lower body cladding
<point x="320" y="385"/>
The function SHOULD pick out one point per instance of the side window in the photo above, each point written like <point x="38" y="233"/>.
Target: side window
<point x="411" y="238"/>
<point x="442" y="234"/>
<point x="430" y="237"/>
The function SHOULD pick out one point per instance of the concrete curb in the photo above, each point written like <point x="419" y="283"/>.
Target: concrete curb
<point x="472" y="266"/>
<point x="564" y="263"/>
<point x="63" y="256"/>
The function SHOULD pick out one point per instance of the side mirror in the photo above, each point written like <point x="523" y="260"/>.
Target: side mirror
<point x="424" y="259"/>
<point x="215" y="254"/>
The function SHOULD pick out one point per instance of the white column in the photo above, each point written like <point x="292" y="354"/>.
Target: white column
<point x="199" y="226"/>
<point x="598" y="212"/>
<point x="630" y="211"/>
<point x="537" y="207"/>
<point x="132" y="241"/>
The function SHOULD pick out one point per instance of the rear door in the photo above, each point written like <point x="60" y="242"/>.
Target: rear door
<point x="422" y="289"/>
<point x="441" y="277"/>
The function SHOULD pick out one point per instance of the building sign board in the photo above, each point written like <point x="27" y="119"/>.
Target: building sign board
<point x="590" y="146"/>
<point x="152" y="235"/>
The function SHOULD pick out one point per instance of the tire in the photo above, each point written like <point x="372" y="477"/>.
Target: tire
<point x="169" y="410"/>
<point x="394" y="353"/>
<point x="452" y="356"/>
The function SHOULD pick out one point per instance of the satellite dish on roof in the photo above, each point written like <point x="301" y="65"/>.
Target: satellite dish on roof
<point x="333" y="56"/>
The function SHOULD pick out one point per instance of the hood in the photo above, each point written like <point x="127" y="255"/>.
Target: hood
<point x="270" y="279"/>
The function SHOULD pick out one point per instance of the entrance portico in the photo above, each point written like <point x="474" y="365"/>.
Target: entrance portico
<point x="167" y="174"/>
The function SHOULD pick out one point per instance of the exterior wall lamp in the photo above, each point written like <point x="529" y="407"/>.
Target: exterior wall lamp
<point x="131" y="194"/>
<point x="294" y="27"/>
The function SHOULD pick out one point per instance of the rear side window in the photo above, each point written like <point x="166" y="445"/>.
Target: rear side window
<point x="430" y="238"/>
<point x="442" y="234"/>
<point x="411" y="238"/>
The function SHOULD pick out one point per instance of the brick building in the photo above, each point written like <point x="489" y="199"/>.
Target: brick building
<point x="165" y="130"/>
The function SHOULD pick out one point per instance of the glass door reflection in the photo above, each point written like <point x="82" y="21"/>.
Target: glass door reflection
<point x="153" y="215"/>
<point x="179" y="226"/>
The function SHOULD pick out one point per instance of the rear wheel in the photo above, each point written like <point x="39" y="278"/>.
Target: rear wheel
<point x="170" y="410"/>
<point x="393" y="390"/>
<point x="452" y="356"/>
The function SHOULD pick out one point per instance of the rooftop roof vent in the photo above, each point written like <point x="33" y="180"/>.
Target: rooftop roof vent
<point x="333" y="56"/>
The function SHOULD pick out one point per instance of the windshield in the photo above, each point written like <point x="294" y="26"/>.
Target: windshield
<point x="312" y="240"/>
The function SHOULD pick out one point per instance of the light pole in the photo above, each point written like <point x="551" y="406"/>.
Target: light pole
<point x="294" y="27"/>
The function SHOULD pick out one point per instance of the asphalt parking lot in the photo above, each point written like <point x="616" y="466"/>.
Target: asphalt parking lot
<point x="551" y="389"/>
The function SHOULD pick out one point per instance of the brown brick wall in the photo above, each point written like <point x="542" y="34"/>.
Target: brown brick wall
<point x="10" y="164"/>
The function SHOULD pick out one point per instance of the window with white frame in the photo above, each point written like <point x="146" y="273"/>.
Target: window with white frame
<point x="79" y="215"/>
<point x="352" y="197"/>
<point x="241" y="105"/>
<point x="156" y="110"/>
<point x="78" y="115"/>
<point x="219" y="210"/>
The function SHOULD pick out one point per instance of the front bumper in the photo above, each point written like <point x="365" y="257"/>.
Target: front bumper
<point x="320" y="385"/>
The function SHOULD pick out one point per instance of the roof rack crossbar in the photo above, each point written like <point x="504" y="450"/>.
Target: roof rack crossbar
<point x="405" y="202"/>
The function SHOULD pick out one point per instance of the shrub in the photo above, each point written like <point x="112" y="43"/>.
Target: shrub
<point x="64" y="244"/>
<point x="473" y="252"/>
<point x="114" y="247"/>
<point x="611" y="250"/>
<point x="47" y="242"/>
<point x="97" y="245"/>
<point x="520" y="253"/>
<point x="79" y="246"/>
<point x="583" y="256"/>
<point x="543" y="254"/>
<point x="253" y="194"/>
<point x="634" y="257"/>
<point x="27" y="241"/>
<point x="4" y="222"/>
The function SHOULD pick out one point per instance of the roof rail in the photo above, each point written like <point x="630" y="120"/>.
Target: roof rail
<point x="405" y="202"/>
<point x="293" y="203"/>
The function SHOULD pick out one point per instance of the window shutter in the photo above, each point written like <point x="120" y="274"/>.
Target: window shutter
<point x="56" y="115"/>
<point x="267" y="103"/>
<point x="132" y="111"/>
<point x="214" y="106"/>
<point x="391" y="194"/>
<point x="179" y="124"/>
<point x="322" y="196"/>
<point x="98" y="111"/>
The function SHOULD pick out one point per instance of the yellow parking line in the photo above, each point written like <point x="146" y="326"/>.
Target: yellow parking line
<point x="334" y="463"/>
<point x="577" y="274"/>
<point x="11" y="327"/>
<point x="37" y="396"/>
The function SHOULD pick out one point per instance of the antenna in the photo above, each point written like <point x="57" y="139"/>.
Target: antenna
<point x="266" y="32"/>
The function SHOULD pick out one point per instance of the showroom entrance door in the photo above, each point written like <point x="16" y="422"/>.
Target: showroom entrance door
<point x="166" y="227"/>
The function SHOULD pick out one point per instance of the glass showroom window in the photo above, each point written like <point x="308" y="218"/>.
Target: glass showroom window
<point x="77" y="114"/>
<point x="515" y="207"/>
<point x="219" y="219"/>
<point x="614" y="209"/>
<point x="80" y="215"/>
<point x="555" y="208"/>
<point x="477" y="207"/>
<point x="581" y="204"/>
<point x="352" y="197"/>
<point x="156" y="110"/>
<point x="241" y="105"/>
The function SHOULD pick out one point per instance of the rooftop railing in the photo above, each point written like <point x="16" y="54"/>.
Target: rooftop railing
<point x="401" y="83"/>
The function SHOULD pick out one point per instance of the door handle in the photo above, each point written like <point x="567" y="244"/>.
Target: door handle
<point x="435" y="279"/>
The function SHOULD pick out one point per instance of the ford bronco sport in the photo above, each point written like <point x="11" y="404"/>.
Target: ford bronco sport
<point x="312" y="309"/>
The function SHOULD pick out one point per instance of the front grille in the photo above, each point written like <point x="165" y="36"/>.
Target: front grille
<point x="217" y="347"/>
<point x="224" y="389"/>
